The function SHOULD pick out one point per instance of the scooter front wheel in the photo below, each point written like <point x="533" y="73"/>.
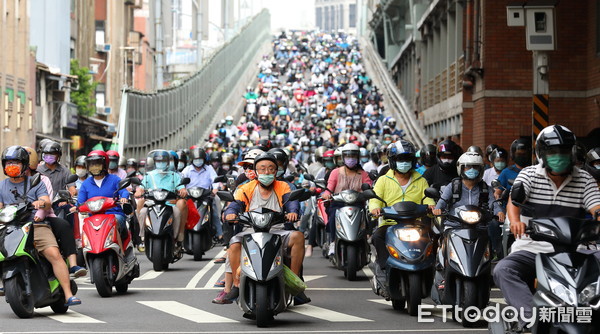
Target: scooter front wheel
<point x="197" y="246"/>
<point x="261" y="310"/>
<point x="20" y="303"/>
<point x="413" y="289"/>
<point x="351" y="262"/>
<point x="100" y="269"/>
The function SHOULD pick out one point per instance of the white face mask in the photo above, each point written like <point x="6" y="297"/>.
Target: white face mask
<point x="81" y="172"/>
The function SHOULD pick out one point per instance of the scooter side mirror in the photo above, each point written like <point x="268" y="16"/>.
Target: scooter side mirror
<point x="496" y="184"/>
<point x="72" y="178"/>
<point x="517" y="194"/>
<point x="373" y="175"/>
<point x="290" y="178"/>
<point x="35" y="180"/>
<point x="432" y="193"/>
<point x="131" y="174"/>
<point x="135" y="180"/>
<point x="296" y="195"/>
<point x="124" y="183"/>
<point x="64" y="194"/>
<point x="220" y="178"/>
<point x="184" y="181"/>
<point x="225" y="196"/>
<point x="365" y="186"/>
<point x="127" y="208"/>
<point x="309" y="177"/>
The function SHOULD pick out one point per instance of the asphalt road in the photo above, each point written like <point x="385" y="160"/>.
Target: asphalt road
<point x="179" y="301"/>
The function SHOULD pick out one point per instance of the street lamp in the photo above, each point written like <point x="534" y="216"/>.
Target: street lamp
<point x="198" y="33"/>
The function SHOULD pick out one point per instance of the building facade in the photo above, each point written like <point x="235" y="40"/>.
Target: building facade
<point x="467" y="75"/>
<point x="336" y="15"/>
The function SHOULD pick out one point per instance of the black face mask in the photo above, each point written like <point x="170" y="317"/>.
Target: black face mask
<point x="523" y="161"/>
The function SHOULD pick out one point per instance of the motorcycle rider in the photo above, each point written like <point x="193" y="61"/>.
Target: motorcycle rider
<point x="592" y="163"/>
<point x="266" y="192"/>
<point x="113" y="164"/>
<point x="520" y="153"/>
<point x="554" y="188"/>
<point x="57" y="173"/>
<point x="162" y="178"/>
<point x="348" y="176"/>
<point x="447" y="154"/>
<point x="401" y="183"/>
<point x="15" y="162"/>
<point x="81" y="171"/>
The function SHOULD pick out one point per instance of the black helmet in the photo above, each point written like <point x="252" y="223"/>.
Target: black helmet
<point x="521" y="144"/>
<point x="131" y="162"/>
<point x="280" y="155"/>
<point x="80" y="161"/>
<point x="555" y="139"/>
<point x="579" y="153"/>
<point x="15" y="153"/>
<point x="498" y="152"/>
<point x="428" y="155"/>
<point x="52" y="147"/>
<point x="489" y="149"/>
<point x="198" y="153"/>
<point x="265" y="156"/>
<point x="402" y="150"/>
<point x="182" y="156"/>
<point x="266" y="144"/>
<point x="592" y="162"/>
<point x="215" y="156"/>
<point x="475" y="149"/>
<point x="448" y="149"/>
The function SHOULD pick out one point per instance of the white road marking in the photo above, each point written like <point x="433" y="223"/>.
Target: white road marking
<point x="202" y="289"/>
<point x="381" y="301"/>
<point x="150" y="274"/>
<point x="437" y="312"/>
<point x="215" y="277"/>
<point x="325" y="314"/>
<point x="194" y="281"/>
<point x="186" y="312"/>
<point x="71" y="317"/>
<point x="495" y="289"/>
<point x="308" y="278"/>
<point x="498" y="300"/>
<point x="368" y="271"/>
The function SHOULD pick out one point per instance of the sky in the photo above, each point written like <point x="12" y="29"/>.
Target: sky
<point x="289" y="13"/>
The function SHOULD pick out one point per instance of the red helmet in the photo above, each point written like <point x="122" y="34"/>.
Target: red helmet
<point x="98" y="156"/>
<point x="113" y="155"/>
<point x="328" y="154"/>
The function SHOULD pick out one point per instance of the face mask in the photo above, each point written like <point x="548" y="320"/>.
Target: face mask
<point x="500" y="165"/>
<point x="81" y="172"/>
<point x="215" y="164"/>
<point x="472" y="173"/>
<point x="172" y="166"/>
<point x="180" y="166"/>
<point x="558" y="163"/>
<point x="198" y="163"/>
<point x="364" y="160"/>
<point x="243" y="144"/>
<point x="250" y="174"/>
<point x="447" y="161"/>
<point x="161" y="165"/>
<point x="403" y="166"/>
<point x="50" y="159"/>
<point x="305" y="148"/>
<point x="12" y="170"/>
<point x="266" y="179"/>
<point x="225" y="167"/>
<point x="95" y="169"/>
<point x="330" y="164"/>
<point x="350" y="162"/>
<point x="280" y="171"/>
<point x="387" y="142"/>
<point x="112" y="165"/>
<point x="522" y="161"/>
<point x="229" y="123"/>
<point x="597" y="166"/>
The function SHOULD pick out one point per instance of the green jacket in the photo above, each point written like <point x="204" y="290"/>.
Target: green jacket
<point x="388" y="188"/>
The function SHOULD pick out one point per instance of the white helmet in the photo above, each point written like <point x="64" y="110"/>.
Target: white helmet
<point x="337" y="157"/>
<point x="350" y="149"/>
<point x="470" y="159"/>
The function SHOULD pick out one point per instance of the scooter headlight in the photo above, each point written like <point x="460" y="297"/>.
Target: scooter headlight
<point x="471" y="217"/>
<point x="544" y="230"/>
<point x="195" y="192"/>
<point x="587" y="295"/>
<point x="350" y="197"/>
<point x="85" y="242"/>
<point x="408" y="234"/>
<point x="8" y="214"/>
<point x="109" y="238"/>
<point x="160" y="195"/>
<point x="148" y="222"/>
<point x="276" y="262"/>
<point x="96" y="205"/>
<point x="562" y="292"/>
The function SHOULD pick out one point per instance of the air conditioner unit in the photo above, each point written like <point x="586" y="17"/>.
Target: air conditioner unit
<point x="104" y="111"/>
<point x="103" y="47"/>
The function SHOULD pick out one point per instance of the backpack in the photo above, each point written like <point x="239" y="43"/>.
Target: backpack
<point x="456" y="185"/>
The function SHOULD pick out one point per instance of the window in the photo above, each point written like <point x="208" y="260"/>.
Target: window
<point x="341" y="22"/>
<point x="319" y="17"/>
<point x="100" y="40"/>
<point x="352" y="16"/>
<point x="100" y="96"/>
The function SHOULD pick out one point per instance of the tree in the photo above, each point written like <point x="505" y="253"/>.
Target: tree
<point x="84" y="96"/>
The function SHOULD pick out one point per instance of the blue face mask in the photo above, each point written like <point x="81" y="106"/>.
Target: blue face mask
<point x="198" y="162"/>
<point x="161" y="165"/>
<point x="403" y="166"/>
<point x="266" y="179"/>
<point x="558" y="163"/>
<point x="472" y="173"/>
<point x="364" y="159"/>
<point x="500" y="165"/>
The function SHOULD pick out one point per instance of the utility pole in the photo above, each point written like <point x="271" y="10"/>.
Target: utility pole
<point x="159" y="41"/>
<point x="198" y="33"/>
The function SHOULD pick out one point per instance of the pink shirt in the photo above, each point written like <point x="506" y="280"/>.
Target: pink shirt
<point x="333" y="179"/>
<point x="43" y="213"/>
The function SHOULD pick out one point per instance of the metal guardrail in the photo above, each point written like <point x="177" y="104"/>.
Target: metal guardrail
<point x="180" y="116"/>
<point x="394" y="102"/>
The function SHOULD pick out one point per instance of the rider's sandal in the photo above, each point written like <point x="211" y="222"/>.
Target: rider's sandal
<point x="220" y="260"/>
<point x="219" y="284"/>
<point x="73" y="301"/>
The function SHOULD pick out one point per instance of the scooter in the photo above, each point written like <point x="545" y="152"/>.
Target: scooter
<point x="109" y="256"/>
<point x="159" y="235"/>
<point x="27" y="276"/>
<point x="566" y="278"/>
<point x="463" y="264"/>
<point x="199" y="234"/>
<point x="262" y="287"/>
<point x="351" y="247"/>
<point x="409" y="268"/>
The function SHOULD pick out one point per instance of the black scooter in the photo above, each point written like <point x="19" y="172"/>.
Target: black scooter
<point x="198" y="235"/>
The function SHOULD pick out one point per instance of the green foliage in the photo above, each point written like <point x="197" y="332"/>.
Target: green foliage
<point x="84" y="96"/>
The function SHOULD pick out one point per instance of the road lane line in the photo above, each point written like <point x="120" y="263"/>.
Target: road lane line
<point x="150" y="274"/>
<point x="194" y="281"/>
<point x="308" y="278"/>
<point x="71" y="317"/>
<point x="325" y="314"/>
<point x="187" y="312"/>
<point x="498" y="300"/>
<point x="215" y="277"/>
<point x="202" y="289"/>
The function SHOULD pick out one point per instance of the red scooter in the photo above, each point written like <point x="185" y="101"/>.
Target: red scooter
<point x="110" y="258"/>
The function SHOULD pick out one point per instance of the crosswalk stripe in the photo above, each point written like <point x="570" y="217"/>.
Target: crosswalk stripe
<point x="186" y="312"/>
<point x="71" y="317"/>
<point x="308" y="278"/>
<point x="498" y="300"/>
<point x="194" y="281"/>
<point x="325" y="314"/>
<point x="150" y="274"/>
<point x="215" y="277"/>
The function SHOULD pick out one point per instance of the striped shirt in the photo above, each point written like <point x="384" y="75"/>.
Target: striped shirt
<point x="577" y="195"/>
